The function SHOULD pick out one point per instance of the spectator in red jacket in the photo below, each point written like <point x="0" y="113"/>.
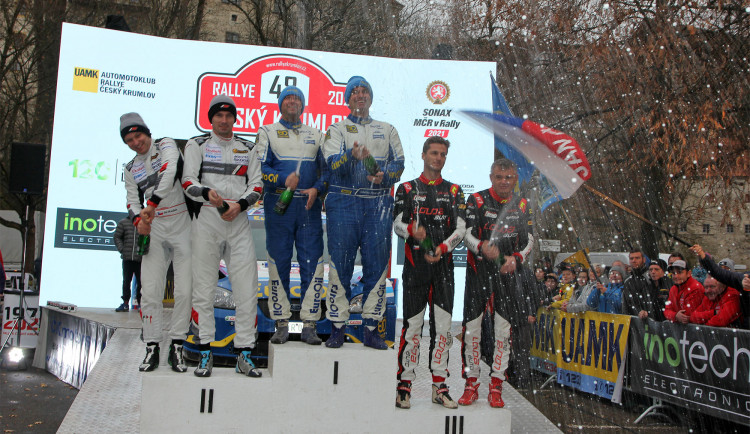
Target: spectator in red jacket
<point x="685" y="296"/>
<point x="720" y="306"/>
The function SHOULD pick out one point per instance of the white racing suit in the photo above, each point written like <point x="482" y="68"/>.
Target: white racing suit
<point x="283" y="148"/>
<point x="231" y="168"/>
<point x="154" y="177"/>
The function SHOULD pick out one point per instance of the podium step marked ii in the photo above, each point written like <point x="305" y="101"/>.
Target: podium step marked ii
<point x="305" y="389"/>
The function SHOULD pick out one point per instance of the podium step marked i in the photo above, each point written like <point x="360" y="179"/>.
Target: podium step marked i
<point x="305" y="389"/>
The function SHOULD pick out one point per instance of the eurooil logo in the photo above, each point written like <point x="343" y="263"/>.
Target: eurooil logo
<point x="86" y="229"/>
<point x="85" y="79"/>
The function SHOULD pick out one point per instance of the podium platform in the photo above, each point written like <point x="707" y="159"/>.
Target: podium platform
<point x="305" y="389"/>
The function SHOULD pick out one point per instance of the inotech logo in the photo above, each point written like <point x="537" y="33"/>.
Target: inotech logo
<point x="86" y="229"/>
<point x="86" y="79"/>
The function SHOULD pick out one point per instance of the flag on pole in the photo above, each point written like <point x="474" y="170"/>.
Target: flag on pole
<point x="500" y="106"/>
<point x="557" y="156"/>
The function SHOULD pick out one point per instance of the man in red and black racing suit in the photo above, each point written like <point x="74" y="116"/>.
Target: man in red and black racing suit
<point x="498" y="237"/>
<point x="429" y="215"/>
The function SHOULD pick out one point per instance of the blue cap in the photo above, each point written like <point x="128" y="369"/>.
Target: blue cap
<point x="292" y="90"/>
<point x="353" y="82"/>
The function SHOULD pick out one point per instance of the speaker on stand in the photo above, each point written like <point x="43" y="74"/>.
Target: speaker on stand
<point x="26" y="178"/>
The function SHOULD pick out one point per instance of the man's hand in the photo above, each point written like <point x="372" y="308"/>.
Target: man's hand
<point x="746" y="283"/>
<point x="601" y="287"/>
<point x="148" y="214"/>
<point x="143" y="227"/>
<point x="643" y="314"/>
<point x="359" y="152"/>
<point x="312" y="194"/>
<point x="531" y="319"/>
<point x="698" y="250"/>
<point x="419" y="233"/>
<point x="509" y="266"/>
<point x="291" y="181"/>
<point x="233" y="211"/>
<point x="564" y="306"/>
<point x="681" y="317"/>
<point x="431" y="259"/>
<point x="215" y="199"/>
<point x="557" y="298"/>
<point x="377" y="179"/>
<point x="489" y="251"/>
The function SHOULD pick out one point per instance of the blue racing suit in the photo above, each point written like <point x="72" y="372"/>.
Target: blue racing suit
<point x="359" y="213"/>
<point x="283" y="149"/>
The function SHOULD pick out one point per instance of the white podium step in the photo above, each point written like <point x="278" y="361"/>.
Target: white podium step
<point x="305" y="389"/>
<point x="225" y="402"/>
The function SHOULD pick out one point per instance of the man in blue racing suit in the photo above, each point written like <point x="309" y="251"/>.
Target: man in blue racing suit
<point x="291" y="158"/>
<point x="359" y="207"/>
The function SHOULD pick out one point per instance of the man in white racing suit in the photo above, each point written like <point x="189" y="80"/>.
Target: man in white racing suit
<point x="222" y="172"/>
<point x="153" y="176"/>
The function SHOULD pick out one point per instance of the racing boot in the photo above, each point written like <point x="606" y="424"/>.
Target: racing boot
<point x="176" y="360"/>
<point x="246" y="366"/>
<point x="440" y="396"/>
<point x="309" y="335"/>
<point x="205" y="364"/>
<point x="471" y="392"/>
<point x="372" y="339"/>
<point x="338" y="335"/>
<point x="151" y="361"/>
<point x="282" y="332"/>
<point x="495" y="397"/>
<point x="403" y="394"/>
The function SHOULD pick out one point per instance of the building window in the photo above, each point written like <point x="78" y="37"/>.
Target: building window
<point x="683" y="227"/>
<point x="232" y="2"/>
<point x="234" y="17"/>
<point x="730" y="228"/>
<point x="706" y="228"/>
<point x="232" y="38"/>
<point x="747" y="229"/>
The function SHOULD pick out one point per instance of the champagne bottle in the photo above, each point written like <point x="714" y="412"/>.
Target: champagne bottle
<point x="143" y="244"/>
<point x="427" y="245"/>
<point x="285" y="198"/>
<point x="223" y="208"/>
<point x="371" y="165"/>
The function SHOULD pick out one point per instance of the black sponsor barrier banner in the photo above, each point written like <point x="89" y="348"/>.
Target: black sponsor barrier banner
<point x="73" y="345"/>
<point x="706" y="369"/>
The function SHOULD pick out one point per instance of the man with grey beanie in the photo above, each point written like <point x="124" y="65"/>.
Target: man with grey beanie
<point x="153" y="177"/>
<point x="222" y="173"/>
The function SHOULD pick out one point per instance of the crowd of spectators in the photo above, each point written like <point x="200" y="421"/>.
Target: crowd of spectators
<point x="711" y="293"/>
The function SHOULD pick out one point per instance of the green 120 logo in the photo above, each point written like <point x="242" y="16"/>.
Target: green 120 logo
<point x="87" y="169"/>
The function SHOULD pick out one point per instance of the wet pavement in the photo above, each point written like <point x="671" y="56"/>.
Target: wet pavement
<point x="32" y="400"/>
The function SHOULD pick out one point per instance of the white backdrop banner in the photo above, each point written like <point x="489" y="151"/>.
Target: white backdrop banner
<point x="105" y="73"/>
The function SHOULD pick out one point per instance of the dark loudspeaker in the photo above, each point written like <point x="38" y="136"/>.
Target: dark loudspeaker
<point x="27" y="168"/>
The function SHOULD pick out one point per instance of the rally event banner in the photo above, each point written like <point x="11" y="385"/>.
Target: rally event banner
<point x="706" y="369"/>
<point x="170" y="82"/>
<point x="72" y="345"/>
<point x="586" y="351"/>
